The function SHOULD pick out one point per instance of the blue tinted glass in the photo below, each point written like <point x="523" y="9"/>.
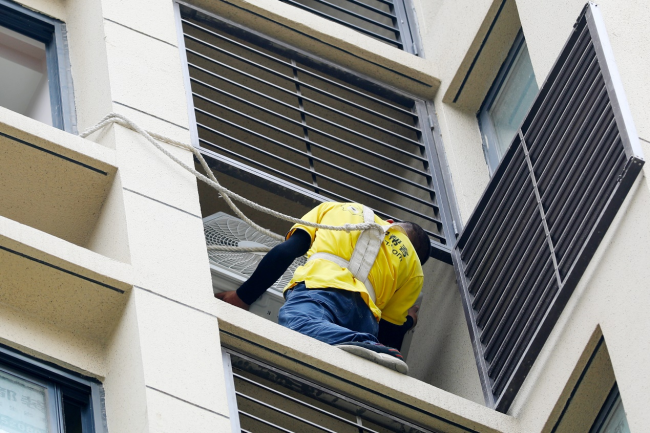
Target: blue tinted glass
<point x="23" y="405"/>
<point x="515" y="97"/>
<point x="616" y="421"/>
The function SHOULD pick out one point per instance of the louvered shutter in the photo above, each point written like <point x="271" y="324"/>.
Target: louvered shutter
<point x="546" y="209"/>
<point x="389" y="21"/>
<point x="284" y="116"/>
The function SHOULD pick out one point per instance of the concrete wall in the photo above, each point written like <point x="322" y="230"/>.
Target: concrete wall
<point x="440" y="352"/>
<point x="175" y="347"/>
<point x="157" y="354"/>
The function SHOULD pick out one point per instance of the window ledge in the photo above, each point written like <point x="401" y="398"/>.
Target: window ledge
<point x="52" y="180"/>
<point x="57" y="282"/>
<point x="386" y="390"/>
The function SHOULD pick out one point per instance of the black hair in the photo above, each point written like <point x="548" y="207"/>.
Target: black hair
<point x="419" y="239"/>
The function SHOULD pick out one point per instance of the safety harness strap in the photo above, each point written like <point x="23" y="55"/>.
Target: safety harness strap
<point x="346" y="265"/>
<point x="364" y="254"/>
<point x="366" y="249"/>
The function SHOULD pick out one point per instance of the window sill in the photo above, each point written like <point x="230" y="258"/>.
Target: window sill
<point x="53" y="181"/>
<point x="386" y="390"/>
<point x="59" y="283"/>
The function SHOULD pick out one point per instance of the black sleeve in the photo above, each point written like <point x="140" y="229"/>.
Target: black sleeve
<point x="273" y="265"/>
<point x="392" y="335"/>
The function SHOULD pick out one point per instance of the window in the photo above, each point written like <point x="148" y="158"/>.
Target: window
<point x="507" y="102"/>
<point x="594" y="403"/>
<point x="612" y="417"/>
<point x="33" y="67"/>
<point x="546" y="209"/>
<point x="39" y="398"/>
<point x="390" y="21"/>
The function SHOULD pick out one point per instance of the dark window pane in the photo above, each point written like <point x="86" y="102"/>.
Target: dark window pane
<point x="72" y="417"/>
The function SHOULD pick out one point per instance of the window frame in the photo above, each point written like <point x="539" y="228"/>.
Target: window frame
<point x="52" y="33"/>
<point x="484" y="122"/>
<point x="603" y="416"/>
<point x="402" y="14"/>
<point x="62" y="386"/>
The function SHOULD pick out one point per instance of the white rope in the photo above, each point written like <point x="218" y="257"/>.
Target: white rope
<point x="226" y="194"/>
<point x="239" y="249"/>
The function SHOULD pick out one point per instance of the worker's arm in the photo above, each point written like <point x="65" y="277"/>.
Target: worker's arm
<point x="392" y="335"/>
<point x="400" y="313"/>
<point x="272" y="266"/>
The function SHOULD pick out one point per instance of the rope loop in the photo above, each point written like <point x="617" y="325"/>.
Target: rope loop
<point x="225" y="193"/>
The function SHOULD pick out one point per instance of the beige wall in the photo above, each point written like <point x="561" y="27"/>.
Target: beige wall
<point x="157" y="354"/>
<point x="176" y="347"/>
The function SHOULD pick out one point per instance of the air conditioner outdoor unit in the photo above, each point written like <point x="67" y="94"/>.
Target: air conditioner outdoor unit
<point x="229" y="270"/>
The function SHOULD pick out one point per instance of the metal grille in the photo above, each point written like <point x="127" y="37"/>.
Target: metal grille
<point x="293" y="118"/>
<point x="546" y="210"/>
<point x="224" y="229"/>
<point x="385" y="20"/>
<point x="270" y="399"/>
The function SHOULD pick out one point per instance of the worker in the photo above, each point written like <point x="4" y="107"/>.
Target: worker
<point x="330" y="299"/>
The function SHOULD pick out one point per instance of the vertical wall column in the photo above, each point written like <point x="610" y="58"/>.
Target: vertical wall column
<point x="174" y="341"/>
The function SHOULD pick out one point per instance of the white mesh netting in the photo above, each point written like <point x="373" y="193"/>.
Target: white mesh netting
<point x="224" y="229"/>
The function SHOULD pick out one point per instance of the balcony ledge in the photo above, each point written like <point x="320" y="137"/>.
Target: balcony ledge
<point x="412" y="399"/>
<point x="57" y="282"/>
<point x="51" y="180"/>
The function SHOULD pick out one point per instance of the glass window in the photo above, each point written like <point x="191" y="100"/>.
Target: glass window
<point x="23" y="68"/>
<point x="39" y="398"/>
<point x="23" y="405"/>
<point x="507" y="102"/>
<point x="73" y="417"/>
<point x="612" y="417"/>
<point x="35" y="72"/>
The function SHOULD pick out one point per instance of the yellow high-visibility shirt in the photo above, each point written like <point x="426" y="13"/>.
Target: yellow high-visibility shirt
<point x="396" y="275"/>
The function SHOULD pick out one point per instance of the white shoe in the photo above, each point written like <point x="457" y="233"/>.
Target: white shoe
<point x="382" y="355"/>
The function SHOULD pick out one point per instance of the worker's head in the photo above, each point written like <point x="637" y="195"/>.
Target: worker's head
<point x="418" y="238"/>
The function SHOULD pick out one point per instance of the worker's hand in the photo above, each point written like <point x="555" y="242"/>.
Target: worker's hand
<point x="233" y="299"/>
<point x="413" y="312"/>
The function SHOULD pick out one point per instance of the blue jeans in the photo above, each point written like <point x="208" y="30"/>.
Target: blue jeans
<point x="332" y="316"/>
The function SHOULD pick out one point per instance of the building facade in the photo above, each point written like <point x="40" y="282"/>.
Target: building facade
<point x="513" y="131"/>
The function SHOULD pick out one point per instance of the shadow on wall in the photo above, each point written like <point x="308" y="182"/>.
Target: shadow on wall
<point x="440" y="351"/>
